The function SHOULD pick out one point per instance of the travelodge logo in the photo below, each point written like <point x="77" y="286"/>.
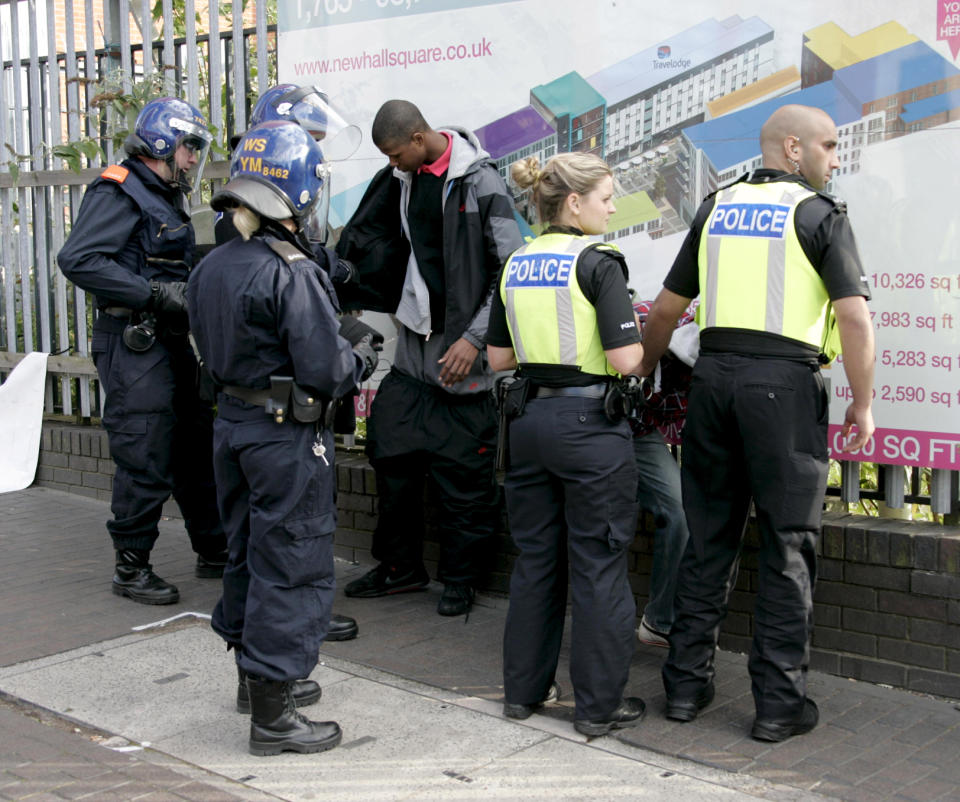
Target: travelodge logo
<point x="664" y="62"/>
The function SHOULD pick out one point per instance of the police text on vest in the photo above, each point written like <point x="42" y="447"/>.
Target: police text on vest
<point x="749" y="220"/>
<point x="540" y="270"/>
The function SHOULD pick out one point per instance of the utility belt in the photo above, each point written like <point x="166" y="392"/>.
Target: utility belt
<point x="141" y="329"/>
<point x="286" y="400"/>
<point x="621" y="399"/>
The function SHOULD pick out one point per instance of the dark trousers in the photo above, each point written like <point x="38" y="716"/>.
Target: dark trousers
<point x="161" y="440"/>
<point x="571" y="504"/>
<point x="418" y="433"/>
<point x="756" y="429"/>
<point x="278" y="506"/>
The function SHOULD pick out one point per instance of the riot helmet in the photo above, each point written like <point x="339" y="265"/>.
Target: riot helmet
<point x="162" y="128"/>
<point x="277" y="170"/>
<point x="311" y="109"/>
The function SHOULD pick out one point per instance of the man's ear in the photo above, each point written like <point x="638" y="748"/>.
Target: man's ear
<point x="417" y="138"/>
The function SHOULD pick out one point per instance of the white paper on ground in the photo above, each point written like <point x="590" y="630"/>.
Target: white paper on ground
<point x="21" y="419"/>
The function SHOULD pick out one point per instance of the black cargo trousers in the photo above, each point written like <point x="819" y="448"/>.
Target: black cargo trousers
<point x="571" y="492"/>
<point x="756" y="430"/>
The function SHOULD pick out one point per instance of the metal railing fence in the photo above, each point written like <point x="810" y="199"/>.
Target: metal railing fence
<point x="50" y="99"/>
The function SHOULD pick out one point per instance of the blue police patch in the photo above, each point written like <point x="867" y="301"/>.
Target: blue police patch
<point x="540" y="270"/>
<point x="766" y="220"/>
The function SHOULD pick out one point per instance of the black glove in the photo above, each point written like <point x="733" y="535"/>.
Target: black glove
<point x="168" y="298"/>
<point x="343" y="272"/>
<point x="368" y="353"/>
<point x="353" y="330"/>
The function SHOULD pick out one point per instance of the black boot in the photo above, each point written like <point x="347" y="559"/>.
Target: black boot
<point x="211" y="566"/>
<point x="305" y="692"/>
<point x="134" y="578"/>
<point x="275" y="724"/>
<point x="342" y="627"/>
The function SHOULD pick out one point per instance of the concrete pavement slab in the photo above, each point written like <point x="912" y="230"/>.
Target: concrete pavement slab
<point x="55" y="601"/>
<point x="171" y="691"/>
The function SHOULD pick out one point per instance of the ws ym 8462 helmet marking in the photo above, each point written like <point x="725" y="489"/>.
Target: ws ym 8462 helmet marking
<point x="277" y="171"/>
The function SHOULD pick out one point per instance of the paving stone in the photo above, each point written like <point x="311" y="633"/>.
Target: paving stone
<point x="889" y="741"/>
<point x="928" y="789"/>
<point x="204" y="793"/>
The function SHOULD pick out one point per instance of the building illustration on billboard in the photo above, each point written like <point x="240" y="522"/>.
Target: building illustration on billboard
<point x="682" y="117"/>
<point x="899" y="92"/>
<point x="654" y="93"/>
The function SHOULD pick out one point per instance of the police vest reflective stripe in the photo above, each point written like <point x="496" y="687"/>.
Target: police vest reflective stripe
<point x="551" y="321"/>
<point x="751" y="262"/>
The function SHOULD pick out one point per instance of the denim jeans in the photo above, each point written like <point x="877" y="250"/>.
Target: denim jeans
<point x="658" y="490"/>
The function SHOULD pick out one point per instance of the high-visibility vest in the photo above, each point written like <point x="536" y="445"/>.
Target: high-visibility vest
<point x="753" y="271"/>
<point x="551" y="321"/>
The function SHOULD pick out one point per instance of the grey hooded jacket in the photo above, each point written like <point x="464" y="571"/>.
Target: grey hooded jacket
<point x="479" y="234"/>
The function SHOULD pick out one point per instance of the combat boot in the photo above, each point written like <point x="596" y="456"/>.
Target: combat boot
<point x="305" y="692"/>
<point x="211" y="566"/>
<point x="134" y="578"/>
<point x="276" y="726"/>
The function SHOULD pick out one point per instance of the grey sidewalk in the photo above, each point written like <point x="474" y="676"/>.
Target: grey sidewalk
<point x="55" y="562"/>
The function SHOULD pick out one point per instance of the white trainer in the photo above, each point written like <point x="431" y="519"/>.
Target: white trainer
<point x="650" y="637"/>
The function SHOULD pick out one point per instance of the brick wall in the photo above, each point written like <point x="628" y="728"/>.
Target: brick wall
<point x="75" y="459"/>
<point x="887" y="602"/>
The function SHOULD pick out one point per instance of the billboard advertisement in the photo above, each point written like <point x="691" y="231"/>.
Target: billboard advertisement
<point x="672" y="96"/>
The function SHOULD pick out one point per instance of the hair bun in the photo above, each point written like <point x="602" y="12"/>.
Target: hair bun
<point x="526" y="172"/>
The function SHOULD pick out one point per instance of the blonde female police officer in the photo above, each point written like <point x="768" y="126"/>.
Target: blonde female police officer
<point x="563" y="315"/>
<point x="260" y="309"/>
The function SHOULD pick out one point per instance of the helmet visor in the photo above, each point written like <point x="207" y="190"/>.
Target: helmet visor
<point x="311" y="109"/>
<point x="313" y="221"/>
<point x="195" y="141"/>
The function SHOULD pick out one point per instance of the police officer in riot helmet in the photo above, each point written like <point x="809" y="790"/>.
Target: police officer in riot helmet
<point x="265" y="322"/>
<point x="132" y="245"/>
<point x="309" y="108"/>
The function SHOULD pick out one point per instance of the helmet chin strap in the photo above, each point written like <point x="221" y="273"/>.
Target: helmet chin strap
<point x="178" y="177"/>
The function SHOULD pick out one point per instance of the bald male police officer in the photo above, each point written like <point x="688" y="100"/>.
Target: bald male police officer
<point x="774" y="262"/>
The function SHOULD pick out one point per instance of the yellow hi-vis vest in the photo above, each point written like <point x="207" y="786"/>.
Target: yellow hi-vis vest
<point x="753" y="271"/>
<point x="551" y="321"/>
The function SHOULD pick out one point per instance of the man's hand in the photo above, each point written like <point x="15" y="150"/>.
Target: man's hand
<point x="457" y="362"/>
<point x="859" y="422"/>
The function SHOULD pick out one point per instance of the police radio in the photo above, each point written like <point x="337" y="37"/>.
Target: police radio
<point x="141" y="336"/>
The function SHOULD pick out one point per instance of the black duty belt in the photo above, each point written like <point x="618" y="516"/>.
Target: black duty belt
<point x="286" y="400"/>
<point x="258" y="398"/>
<point x="598" y="390"/>
<point x="119" y="312"/>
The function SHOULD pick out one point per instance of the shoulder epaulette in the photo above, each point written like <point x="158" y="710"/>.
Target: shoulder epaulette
<point x="115" y="172"/>
<point x="831" y="199"/>
<point x="840" y="204"/>
<point x="608" y="246"/>
<point x="613" y="251"/>
<point x="289" y="253"/>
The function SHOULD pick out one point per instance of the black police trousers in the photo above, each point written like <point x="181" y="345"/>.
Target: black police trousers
<point x="571" y="504"/>
<point x="756" y="429"/>
<point x="278" y="504"/>
<point x="161" y="439"/>
<point x="418" y="433"/>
